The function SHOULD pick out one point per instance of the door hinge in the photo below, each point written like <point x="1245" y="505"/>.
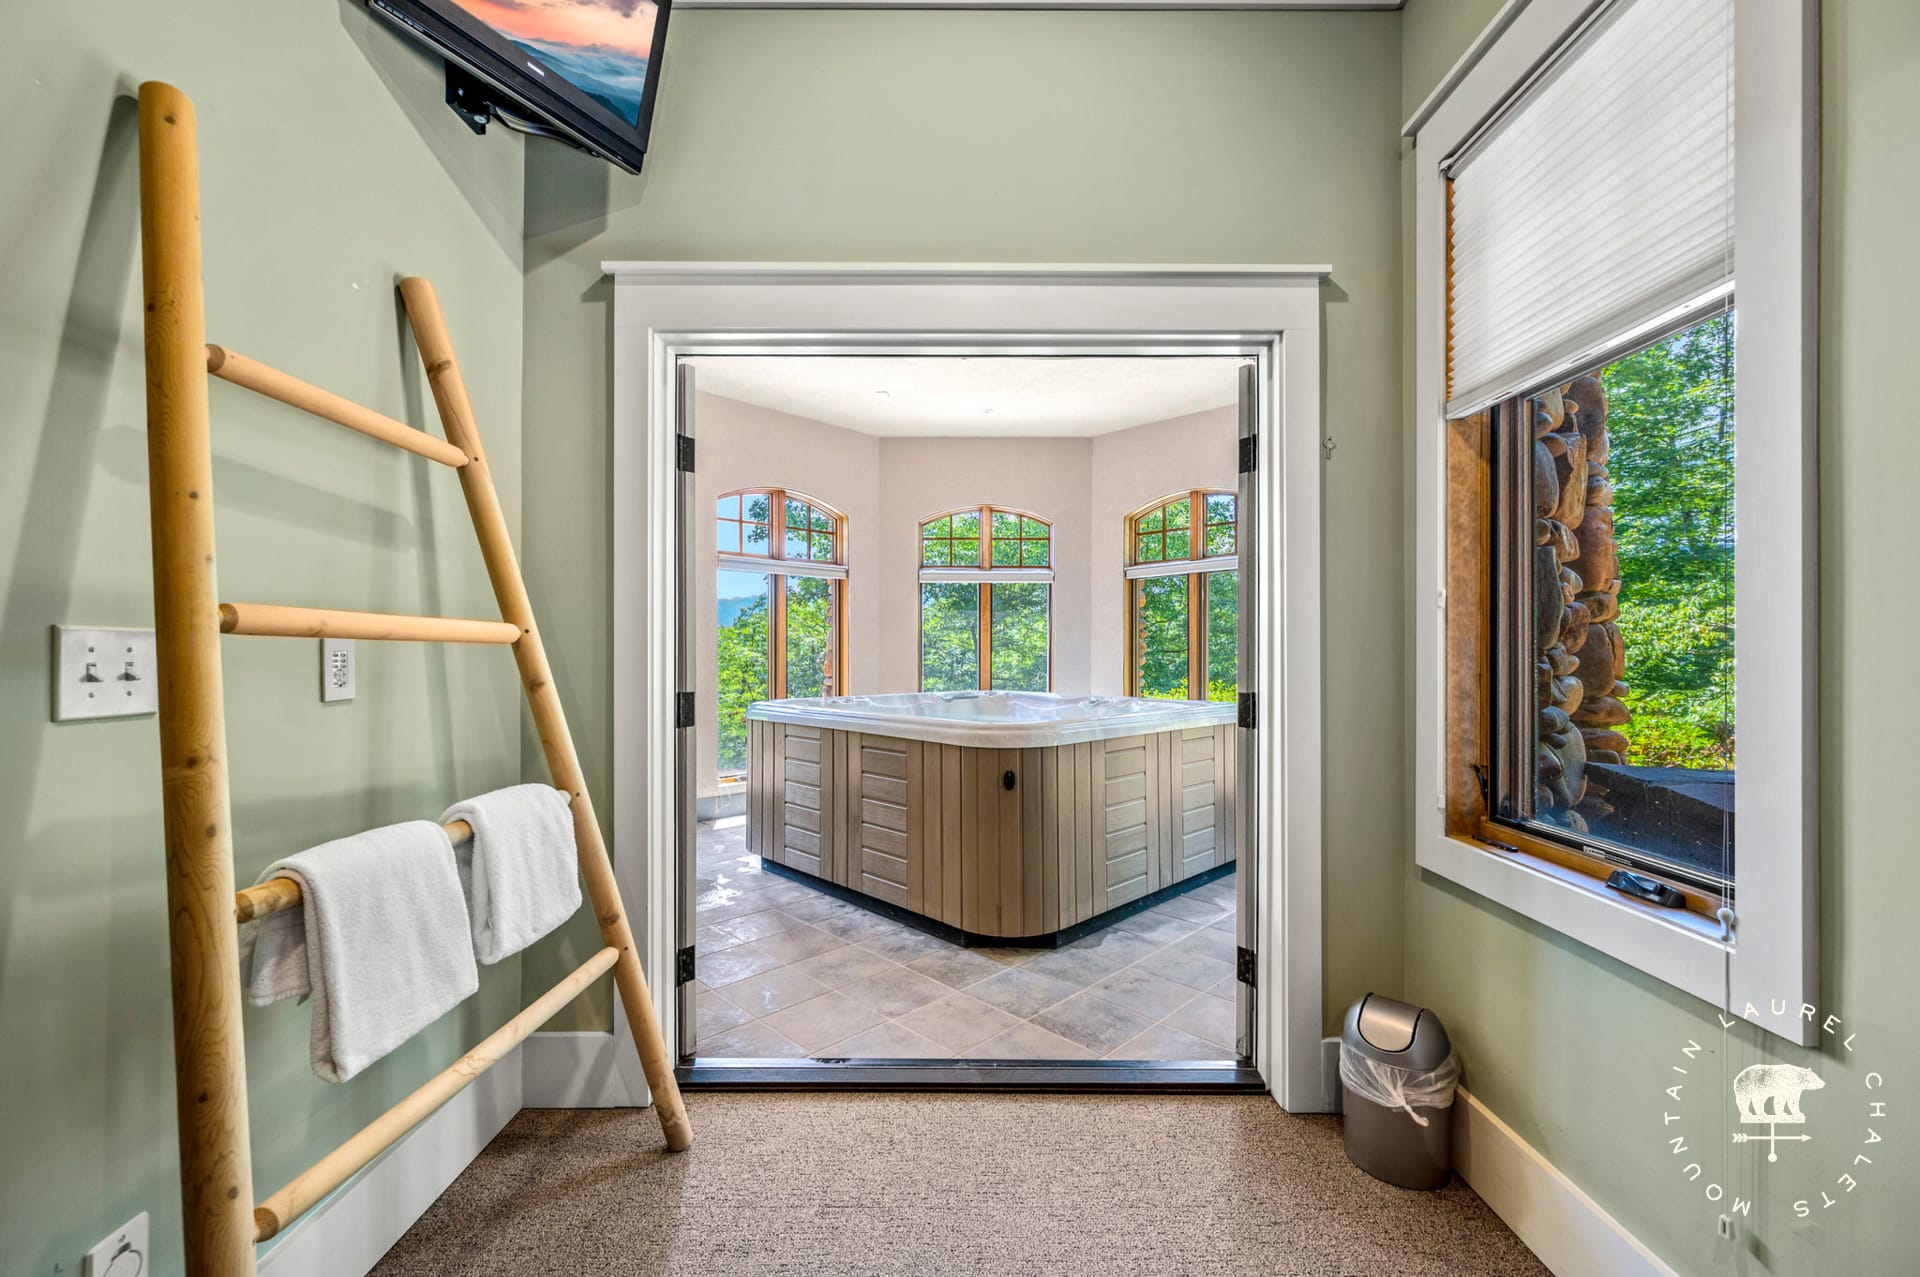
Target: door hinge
<point x="1246" y="710"/>
<point x="683" y="709"/>
<point x="1245" y="964"/>
<point x="683" y="453"/>
<point x="683" y="966"/>
<point x="1249" y="449"/>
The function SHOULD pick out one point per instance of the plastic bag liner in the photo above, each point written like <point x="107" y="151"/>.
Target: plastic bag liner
<point x="1396" y="1088"/>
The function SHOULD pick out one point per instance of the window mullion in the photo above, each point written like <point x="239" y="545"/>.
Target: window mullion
<point x="986" y="636"/>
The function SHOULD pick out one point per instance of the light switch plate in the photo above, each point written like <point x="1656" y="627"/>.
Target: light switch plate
<point x="123" y="1254"/>
<point x="337" y="669"/>
<point x="103" y="674"/>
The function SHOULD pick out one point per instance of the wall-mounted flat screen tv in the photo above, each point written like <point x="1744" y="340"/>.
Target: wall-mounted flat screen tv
<point x="583" y="69"/>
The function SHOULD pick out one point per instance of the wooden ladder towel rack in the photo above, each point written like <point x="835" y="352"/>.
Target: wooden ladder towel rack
<point x="221" y="1219"/>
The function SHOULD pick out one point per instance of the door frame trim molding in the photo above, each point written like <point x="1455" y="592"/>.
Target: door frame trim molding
<point x="665" y="310"/>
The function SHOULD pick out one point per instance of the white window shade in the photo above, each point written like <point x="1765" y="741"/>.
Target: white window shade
<point x="1602" y="198"/>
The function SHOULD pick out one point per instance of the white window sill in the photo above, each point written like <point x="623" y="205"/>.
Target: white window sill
<point x="1674" y="945"/>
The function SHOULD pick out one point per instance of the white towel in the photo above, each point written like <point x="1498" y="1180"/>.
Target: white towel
<point x="521" y="872"/>
<point x="380" y="942"/>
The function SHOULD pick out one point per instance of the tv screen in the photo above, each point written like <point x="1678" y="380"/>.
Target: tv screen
<point x="584" y="69"/>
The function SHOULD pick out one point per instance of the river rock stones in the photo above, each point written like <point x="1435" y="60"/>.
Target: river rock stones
<point x="1580" y="658"/>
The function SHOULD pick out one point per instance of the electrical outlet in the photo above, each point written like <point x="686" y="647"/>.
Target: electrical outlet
<point x="103" y="674"/>
<point x="336" y="669"/>
<point x="123" y="1254"/>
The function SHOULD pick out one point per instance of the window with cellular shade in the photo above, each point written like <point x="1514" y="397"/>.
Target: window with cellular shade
<point x="1600" y="199"/>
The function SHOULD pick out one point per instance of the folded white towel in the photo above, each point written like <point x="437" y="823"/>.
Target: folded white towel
<point x="521" y="871"/>
<point x="380" y="942"/>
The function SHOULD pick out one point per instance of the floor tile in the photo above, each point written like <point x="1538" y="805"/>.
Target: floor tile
<point x="1093" y="1022"/>
<point x="1079" y="967"/>
<point x="1117" y="943"/>
<point x="1155" y="997"/>
<point x="714" y="1013"/>
<point x="774" y="990"/>
<point x="1195" y="969"/>
<point x="1206" y="1017"/>
<point x="1228" y="923"/>
<point x="1008" y="955"/>
<point x="1192" y="907"/>
<point x="721" y="969"/>
<point x="895" y="991"/>
<point x="757" y="926"/>
<point x="1027" y="1041"/>
<point x="958" y="1021"/>
<point x="1021" y="992"/>
<point x="1163" y="1042"/>
<point x="1215" y="944"/>
<point x="1160" y="927"/>
<point x="890" y="1041"/>
<point x="826" y="1019"/>
<point x="819" y="905"/>
<point x="956" y="967"/>
<point x="712" y="938"/>
<point x="802" y="941"/>
<point x="903" y="944"/>
<point x="854" y="926"/>
<point x="753" y="1040"/>
<point x="841" y="966"/>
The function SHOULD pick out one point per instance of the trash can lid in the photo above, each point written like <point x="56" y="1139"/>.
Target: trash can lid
<point x="1396" y="1033"/>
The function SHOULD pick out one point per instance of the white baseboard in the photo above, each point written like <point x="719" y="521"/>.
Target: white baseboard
<point x="349" y="1231"/>
<point x="574" y="1070"/>
<point x="1568" y="1230"/>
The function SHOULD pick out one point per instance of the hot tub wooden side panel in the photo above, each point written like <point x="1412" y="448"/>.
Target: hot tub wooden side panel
<point x="934" y="828"/>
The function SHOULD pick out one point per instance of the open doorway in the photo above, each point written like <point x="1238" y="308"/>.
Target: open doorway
<point x="665" y="312"/>
<point x="966" y="635"/>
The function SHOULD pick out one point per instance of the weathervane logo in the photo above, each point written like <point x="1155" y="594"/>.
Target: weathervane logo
<point x="1779" y="1085"/>
<point x="1834" y="1147"/>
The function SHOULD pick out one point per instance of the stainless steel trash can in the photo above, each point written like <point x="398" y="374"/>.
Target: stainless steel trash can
<point x="1399" y="1076"/>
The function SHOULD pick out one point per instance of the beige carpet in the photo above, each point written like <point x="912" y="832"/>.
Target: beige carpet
<point x="944" y="1185"/>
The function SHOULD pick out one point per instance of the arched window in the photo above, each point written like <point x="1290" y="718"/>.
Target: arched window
<point x="986" y="601"/>
<point x="1183" y="593"/>
<point x="780" y="601"/>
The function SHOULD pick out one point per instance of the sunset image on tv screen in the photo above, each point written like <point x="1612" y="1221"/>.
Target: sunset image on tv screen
<point x="599" y="46"/>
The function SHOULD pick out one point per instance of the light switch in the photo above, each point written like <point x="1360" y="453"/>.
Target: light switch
<point x="103" y="674"/>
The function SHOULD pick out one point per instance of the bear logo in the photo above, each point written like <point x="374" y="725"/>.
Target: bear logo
<point x="1757" y="1084"/>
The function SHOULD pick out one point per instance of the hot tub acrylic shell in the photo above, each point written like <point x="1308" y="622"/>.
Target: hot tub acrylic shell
<point x="1004" y="815"/>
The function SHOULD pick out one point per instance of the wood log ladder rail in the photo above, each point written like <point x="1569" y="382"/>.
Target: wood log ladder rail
<point x="222" y="1223"/>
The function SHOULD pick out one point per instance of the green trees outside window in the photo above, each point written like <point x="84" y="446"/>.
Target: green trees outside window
<point x="1184" y="598"/>
<point x="779" y="599"/>
<point x="986" y="601"/>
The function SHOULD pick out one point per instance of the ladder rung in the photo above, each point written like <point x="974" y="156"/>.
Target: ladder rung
<point x="290" y="390"/>
<point x="276" y="621"/>
<point x="373" y="1139"/>
<point x="276" y="894"/>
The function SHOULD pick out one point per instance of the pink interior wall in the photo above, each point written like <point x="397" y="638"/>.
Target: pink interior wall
<point x="886" y="487"/>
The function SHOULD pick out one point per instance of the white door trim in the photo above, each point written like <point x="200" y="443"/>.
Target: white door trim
<point x="664" y="309"/>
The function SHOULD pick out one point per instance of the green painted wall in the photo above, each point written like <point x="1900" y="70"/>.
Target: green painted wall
<point x="1069" y="137"/>
<point x="329" y="166"/>
<point x="1567" y="1046"/>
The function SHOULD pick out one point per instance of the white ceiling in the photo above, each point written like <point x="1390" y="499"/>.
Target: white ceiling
<point x="913" y="395"/>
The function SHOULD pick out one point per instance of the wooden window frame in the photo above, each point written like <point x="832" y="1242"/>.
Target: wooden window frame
<point x="1475" y="617"/>
<point x="1196" y="499"/>
<point x="777" y="567"/>
<point x="983" y="573"/>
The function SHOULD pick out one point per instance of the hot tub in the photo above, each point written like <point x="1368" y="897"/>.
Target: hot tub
<point x="1003" y="816"/>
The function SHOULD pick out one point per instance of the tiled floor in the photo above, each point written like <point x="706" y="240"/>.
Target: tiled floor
<point x="787" y="972"/>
